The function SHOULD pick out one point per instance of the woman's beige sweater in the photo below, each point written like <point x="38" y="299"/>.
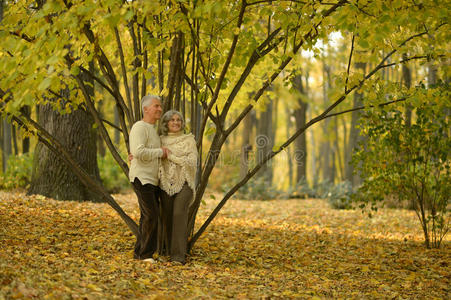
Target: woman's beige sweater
<point x="181" y="164"/>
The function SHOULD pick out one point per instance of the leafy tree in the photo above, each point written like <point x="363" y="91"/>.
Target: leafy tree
<point x="411" y="162"/>
<point x="207" y="57"/>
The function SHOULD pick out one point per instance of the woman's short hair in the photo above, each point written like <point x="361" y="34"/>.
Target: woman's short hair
<point x="165" y="120"/>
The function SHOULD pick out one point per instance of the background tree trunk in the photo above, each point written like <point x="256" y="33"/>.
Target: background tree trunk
<point x="6" y="128"/>
<point x="407" y="81"/>
<point x="14" y="139"/>
<point x="117" y="134"/>
<point x="300" y="118"/>
<point x="327" y="172"/>
<point x="265" y="141"/>
<point x="100" y="142"/>
<point x="7" y="145"/>
<point x="2" y="3"/>
<point x="313" y="161"/>
<point x="246" y="145"/>
<point x="289" y="154"/>
<point x="26" y="140"/>
<point x="51" y="177"/>
<point x="354" y="134"/>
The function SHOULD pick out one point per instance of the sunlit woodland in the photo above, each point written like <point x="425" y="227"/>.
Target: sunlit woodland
<point x="322" y="130"/>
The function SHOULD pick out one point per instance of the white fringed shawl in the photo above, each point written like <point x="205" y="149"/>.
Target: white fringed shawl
<point x="180" y="166"/>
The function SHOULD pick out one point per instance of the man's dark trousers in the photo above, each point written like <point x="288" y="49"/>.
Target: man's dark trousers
<point x="146" y="242"/>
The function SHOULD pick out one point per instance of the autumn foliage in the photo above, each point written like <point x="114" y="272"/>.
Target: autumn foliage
<point x="254" y="249"/>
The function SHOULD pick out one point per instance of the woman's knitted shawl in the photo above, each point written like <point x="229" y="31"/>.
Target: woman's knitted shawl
<point x="180" y="166"/>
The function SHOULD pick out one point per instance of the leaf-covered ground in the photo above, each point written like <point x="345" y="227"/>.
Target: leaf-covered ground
<point x="273" y="249"/>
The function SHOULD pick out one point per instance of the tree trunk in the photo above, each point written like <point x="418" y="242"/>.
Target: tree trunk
<point x="432" y="74"/>
<point x="26" y="140"/>
<point x="289" y="160"/>
<point x="354" y="134"/>
<point x="265" y="141"/>
<point x="313" y="161"/>
<point x="100" y="142"/>
<point x="246" y="145"/>
<point x="51" y="177"/>
<point x="6" y="127"/>
<point x="325" y="145"/>
<point x="2" y="3"/>
<point x="407" y="81"/>
<point x="175" y="77"/>
<point x="7" y="145"/>
<point x="117" y="134"/>
<point x="338" y="152"/>
<point x="300" y="118"/>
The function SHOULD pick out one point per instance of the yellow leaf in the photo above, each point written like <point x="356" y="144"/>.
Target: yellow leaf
<point x="94" y="287"/>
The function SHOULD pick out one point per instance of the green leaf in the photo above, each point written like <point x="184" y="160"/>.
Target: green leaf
<point x="363" y="43"/>
<point x="45" y="84"/>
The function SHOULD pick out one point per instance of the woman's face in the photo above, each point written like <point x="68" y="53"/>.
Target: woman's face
<point x="175" y="124"/>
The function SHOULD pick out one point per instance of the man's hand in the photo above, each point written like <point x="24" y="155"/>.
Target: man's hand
<point x="166" y="152"/>
<point x="130" y="157"/>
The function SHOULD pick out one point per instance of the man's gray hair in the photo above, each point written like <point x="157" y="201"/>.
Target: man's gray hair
<point x="165" y="120"/>
<point x="147" y="100"/>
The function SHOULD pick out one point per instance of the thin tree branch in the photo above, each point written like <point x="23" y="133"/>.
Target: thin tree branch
<point x="112" y="125"/>
<point x="124" y="72"/>
<point x="411" y="58"/>
<point x="136" y="64"/>
<point x="97" y="79"/>
<point x="349" y="63"/>
<point x="229" y="56"/>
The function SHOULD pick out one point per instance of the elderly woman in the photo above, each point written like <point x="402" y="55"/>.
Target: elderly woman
<point x="177" y="179"/>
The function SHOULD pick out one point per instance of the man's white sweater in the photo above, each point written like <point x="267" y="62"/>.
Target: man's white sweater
<point x="146" y="149"/>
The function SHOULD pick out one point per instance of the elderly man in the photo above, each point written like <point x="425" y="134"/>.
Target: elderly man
<point x="147" y="151"/>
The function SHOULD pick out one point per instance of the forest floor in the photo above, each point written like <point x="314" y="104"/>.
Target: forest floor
<point x="252" y="250"/>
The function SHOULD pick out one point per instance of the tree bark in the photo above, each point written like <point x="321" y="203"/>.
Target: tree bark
<point x="326" y="164"/>
<point x="6" y="128"/>
<point x="246" y="145"/>
<point x="265" y="141"/>
<point x="407" y="82"/>
<point x="2" y="3"/>
<point x="300" y="118"/>
<point x="354" y="134"/>
<point x="100" y="142"/>
<point x="7" y="145"/>
<point x="26" y="140"/>
<point x="51" y="177"/>
<point x="14" y="139"/>
<point x="289" y="156"/>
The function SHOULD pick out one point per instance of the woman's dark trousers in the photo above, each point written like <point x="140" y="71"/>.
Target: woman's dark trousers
<point x="175" y="218"/>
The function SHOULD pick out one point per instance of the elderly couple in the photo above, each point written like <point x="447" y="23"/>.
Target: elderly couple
<point x="163" y="169"/>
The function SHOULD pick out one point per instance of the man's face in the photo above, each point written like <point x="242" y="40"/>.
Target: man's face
<point x="154" y="110"/>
